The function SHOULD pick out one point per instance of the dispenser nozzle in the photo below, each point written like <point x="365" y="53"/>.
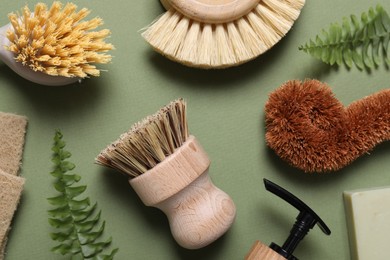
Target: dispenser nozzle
<point x="305" y="221"/>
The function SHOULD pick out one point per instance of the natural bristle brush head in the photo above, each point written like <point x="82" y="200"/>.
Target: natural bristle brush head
<point x="168" y="169"/>
<point x="54" y="46"/>
<point x="312" y="130"/>
<point x="148" y="142"/>
<point x="220" y="34"/>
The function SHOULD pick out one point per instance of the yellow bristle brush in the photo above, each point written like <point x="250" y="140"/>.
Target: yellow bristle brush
<point x="168" y="169"/>
<point x="54" y="46"/>
<point x="219" y="34"/>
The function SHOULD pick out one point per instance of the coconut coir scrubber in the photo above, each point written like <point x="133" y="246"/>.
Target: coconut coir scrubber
<point x="168" y="169"/>
<point x="220" y="34"/>
<point x="12" y="136"/>
<point x="309" y="128"/>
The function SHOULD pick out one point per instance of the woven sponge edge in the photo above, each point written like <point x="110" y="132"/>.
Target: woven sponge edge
<point x="11" y="188"/>
<point x="12" y="135"/>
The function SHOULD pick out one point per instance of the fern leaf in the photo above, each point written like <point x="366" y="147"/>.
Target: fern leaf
<point x="89" y="237"/>
<point x="106" y="257"/>
<point x="62" y="249"/>
<point x="78" y="231"/>
<point x="363" y="42"/>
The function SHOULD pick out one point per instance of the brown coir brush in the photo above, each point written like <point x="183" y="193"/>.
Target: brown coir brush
<point x="309" y="128"/>
<point x="168" y="169"/>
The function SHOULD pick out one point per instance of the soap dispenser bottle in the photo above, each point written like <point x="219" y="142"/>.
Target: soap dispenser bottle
<point x="305" y="221"/>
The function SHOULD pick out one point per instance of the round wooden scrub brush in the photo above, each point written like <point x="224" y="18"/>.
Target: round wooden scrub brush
<point x="220" y="34"/>
<point x="54" y="46"/>
<point x="168" y="169"/>
<point x="310" y="129"/>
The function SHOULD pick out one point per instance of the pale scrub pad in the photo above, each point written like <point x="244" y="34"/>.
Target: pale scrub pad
<point x="368" y="220"/>
<point x="10" y="191"/>
<point x="12" y="132"/>
<point x="12" y="136"/>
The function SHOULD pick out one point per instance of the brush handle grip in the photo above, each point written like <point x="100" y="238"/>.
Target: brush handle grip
<point x="199" y="214"/>
<point x="180" y="186"/>
<point x="212" y="11"/>
<point x="259" y="251"/>
<point x="166" y="4"/>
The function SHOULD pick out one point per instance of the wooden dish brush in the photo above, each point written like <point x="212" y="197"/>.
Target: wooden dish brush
<point x="309" y="128"/>
<point x="223" y="33"/>
<point x="168" y="169"/>
<point x="54" y="46"/>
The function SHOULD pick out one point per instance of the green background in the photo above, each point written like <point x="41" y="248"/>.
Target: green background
<point x="226" y="113"/>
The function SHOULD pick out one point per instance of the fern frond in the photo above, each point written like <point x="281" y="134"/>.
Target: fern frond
<point x="78" y="231"/>
<point x="364" y="43"/>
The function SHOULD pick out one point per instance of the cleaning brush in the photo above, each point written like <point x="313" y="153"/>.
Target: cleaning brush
<point x="54" y="46"/>
<point x="166" y="4"/>
<point x="220" y="34"/>
<point x="310" y="129"/>
<point x="168" y="169"/>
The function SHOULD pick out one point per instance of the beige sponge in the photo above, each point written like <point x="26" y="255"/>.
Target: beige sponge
<point x="12" y="132"/>
<point x="10" y="191"/>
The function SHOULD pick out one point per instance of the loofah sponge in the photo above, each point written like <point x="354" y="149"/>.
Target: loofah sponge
<point x="10" y="191"/>
<point x="309" y="128"/>
<point x="12" y="132"/>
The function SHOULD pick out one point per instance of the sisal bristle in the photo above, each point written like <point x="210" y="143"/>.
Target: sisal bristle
<point x="278" y="23"/>
<point x="176" y="37"/>
<point x="189" y="47"/>
<point x="224" y="50"/>
<point x="283" y="9"/>
<point x="254" y="43"/>
<point x="148" y="142"/>
<point x="205" y="55"/>
<point x="296" y="4"/>
<point x="222" y="45"/>
<point x="162" y="28"/>
<point x="57" y="42"/>
<point x="266" y="34"/>
<point x="239" y="47"/>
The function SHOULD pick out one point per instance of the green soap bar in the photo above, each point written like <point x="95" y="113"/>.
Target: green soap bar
<point x="368" y="221"/>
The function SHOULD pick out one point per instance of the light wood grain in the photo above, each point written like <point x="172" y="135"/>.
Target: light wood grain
<point x="198" y="211"/>
<point x="173" y="174"/>
<point x="215" y="12"/>
<point x="166" y="4"/>
<point x="259" y="251"/>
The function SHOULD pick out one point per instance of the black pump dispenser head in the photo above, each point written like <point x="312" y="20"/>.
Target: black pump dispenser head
<point x="305" y="221"/>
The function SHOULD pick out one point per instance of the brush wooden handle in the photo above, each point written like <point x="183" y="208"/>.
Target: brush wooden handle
<point x="214" y="11"/>
<point x="198" y="212"/>
<point x="259" y="251"/>
<point x="166" y="4"/>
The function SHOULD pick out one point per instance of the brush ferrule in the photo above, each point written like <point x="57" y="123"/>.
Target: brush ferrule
<point x="215" y="12"/>
<point x="173" y="174"/>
